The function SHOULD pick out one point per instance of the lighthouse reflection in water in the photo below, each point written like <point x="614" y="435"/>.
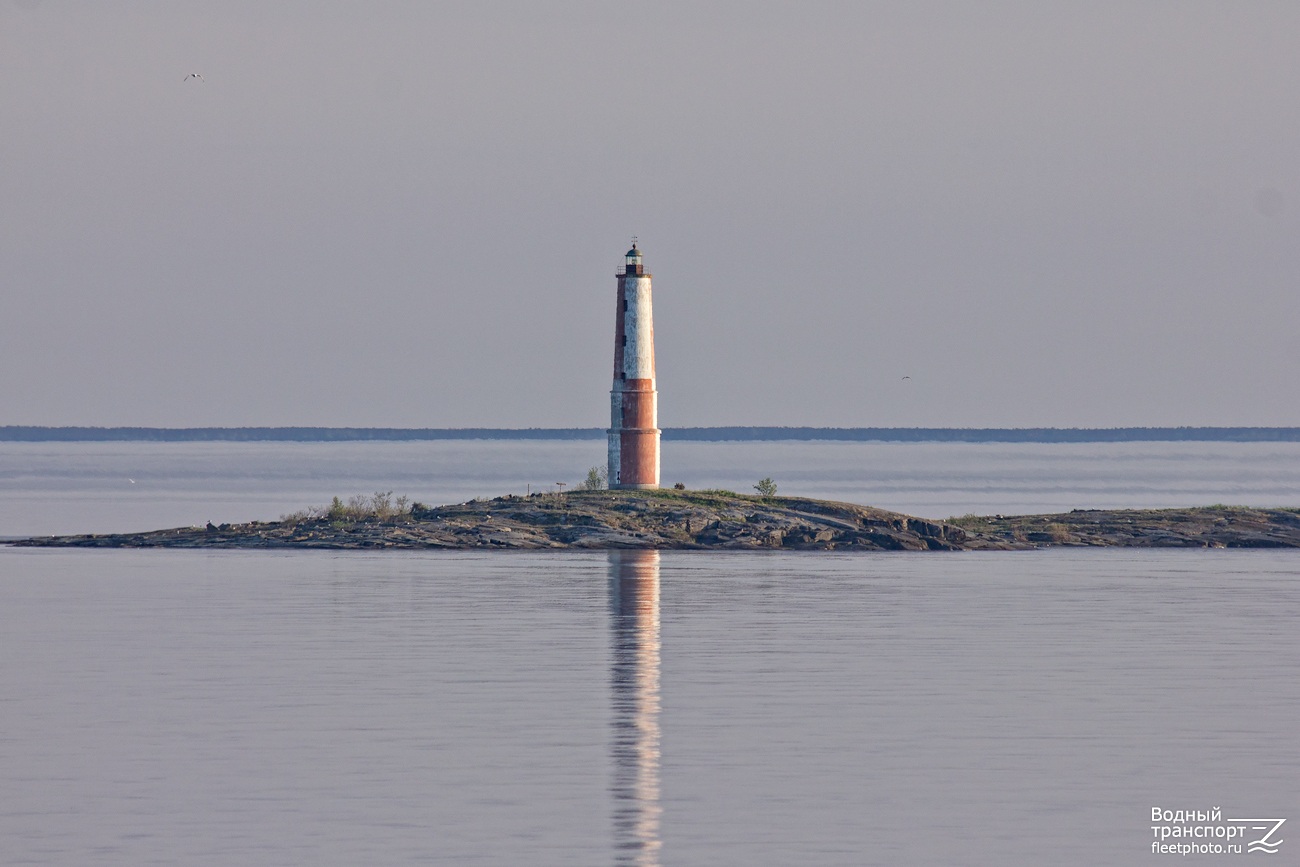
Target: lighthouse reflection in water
<point x="634" y="609"/>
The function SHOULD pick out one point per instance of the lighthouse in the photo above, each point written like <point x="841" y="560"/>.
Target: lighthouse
<point x="634" y="402"/>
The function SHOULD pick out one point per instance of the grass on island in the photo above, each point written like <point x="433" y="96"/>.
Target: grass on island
<point x="379" y="506"/>
<point x="383" y="506"/>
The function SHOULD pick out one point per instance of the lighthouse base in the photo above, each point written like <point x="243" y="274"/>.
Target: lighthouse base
<point x="633" y="459"/>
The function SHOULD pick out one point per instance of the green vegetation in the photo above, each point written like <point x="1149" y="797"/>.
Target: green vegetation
<point x="1057" y="531"/>
<point x="971" y="521"/>
<point x="378" y="506"/>
<point x="597" y="480"/>
<point x="766" y="487"/>
<point x="711" y="498"/>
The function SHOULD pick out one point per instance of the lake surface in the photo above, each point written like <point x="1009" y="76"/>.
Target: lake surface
<point x="683" y="708"/>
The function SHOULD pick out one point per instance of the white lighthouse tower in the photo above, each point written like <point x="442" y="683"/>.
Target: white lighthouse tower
<point x="634" y="402"/>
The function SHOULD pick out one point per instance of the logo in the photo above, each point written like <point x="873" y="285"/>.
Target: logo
<point x="1206" y="832"/>
<point x="1263" y="844"/>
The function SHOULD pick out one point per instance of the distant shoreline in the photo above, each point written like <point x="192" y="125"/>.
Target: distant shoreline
<point x="27" y="433"/>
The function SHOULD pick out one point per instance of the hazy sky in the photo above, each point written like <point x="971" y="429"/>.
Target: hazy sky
<point x="410" y="214"/>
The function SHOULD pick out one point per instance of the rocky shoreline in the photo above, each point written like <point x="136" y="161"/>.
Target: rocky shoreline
<point x="1204" y="527"/>
<point x="716" y="520"/>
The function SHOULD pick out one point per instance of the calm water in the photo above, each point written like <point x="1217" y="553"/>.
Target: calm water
<point x="164" y="707"/>
<point x="183" y="708"/>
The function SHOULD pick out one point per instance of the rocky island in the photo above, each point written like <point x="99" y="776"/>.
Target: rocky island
<point x="710" y="520"/>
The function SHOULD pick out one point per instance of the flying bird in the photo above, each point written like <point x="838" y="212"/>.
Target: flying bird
<point x="907" y="377"/>
<point x="193" y="75"/>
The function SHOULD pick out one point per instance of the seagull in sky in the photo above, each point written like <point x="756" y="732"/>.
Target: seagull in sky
<point x="907" y="377"/>
<point x="194" y="75"/>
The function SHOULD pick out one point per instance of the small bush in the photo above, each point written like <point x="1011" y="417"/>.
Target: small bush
<point x="766" y="487"/>
<point x="298" y="517"/>
<point x="597" y="480"/>
<point x="380" y="505"/>
<point x="1058" y="532"/>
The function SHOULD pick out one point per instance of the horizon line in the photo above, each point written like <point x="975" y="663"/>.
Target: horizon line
<point x="716" y="433"/>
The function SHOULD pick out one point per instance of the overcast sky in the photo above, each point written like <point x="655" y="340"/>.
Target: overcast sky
<point x="410" y="214"/>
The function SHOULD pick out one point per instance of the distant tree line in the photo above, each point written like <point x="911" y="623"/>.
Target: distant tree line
<point x="27" y="433"/>
<point x="17" y="433"/>
<point x="988" y="435"/>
